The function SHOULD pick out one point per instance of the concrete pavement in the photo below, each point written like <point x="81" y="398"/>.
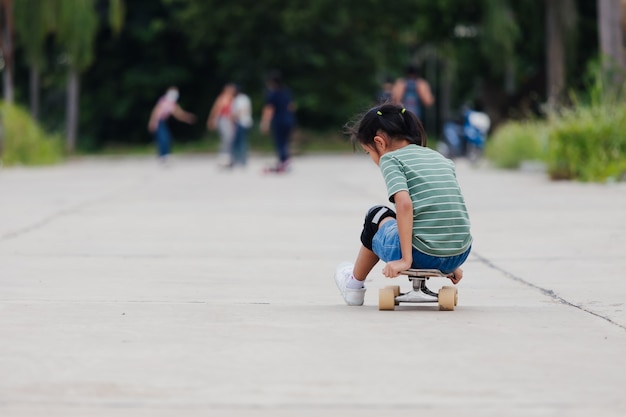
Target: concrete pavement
<point x="131" y="290"/>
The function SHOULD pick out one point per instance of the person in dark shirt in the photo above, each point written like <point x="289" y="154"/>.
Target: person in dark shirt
<point x="278" y="116"/>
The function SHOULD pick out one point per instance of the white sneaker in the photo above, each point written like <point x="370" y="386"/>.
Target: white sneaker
<point x="353" y="297"/>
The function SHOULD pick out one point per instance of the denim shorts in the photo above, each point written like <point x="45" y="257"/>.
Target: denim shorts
<point x="386" y="245"/>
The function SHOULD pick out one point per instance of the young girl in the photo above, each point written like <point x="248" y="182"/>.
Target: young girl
<point x="430" y="228"/>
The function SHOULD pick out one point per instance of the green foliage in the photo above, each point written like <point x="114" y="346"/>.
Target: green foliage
<point x="333" y="55"/>
<point x="33" y="22"/>
<point x="500" y="33"/>
<point x="77" y="28"/>
<point x="599" y="84"/>
<point x="330" y="53"/>
<point x="517" y="142"/>
<point x="24" y="142"/>
<point x="117" y="10"/>
<point x="588" y="143"/>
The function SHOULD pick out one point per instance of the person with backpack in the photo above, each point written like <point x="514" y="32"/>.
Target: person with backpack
<point x="412" y="92"/>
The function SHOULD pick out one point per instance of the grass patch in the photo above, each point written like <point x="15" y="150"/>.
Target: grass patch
<point x="585" y="143"/>
<point x="517" y="142"/>
<point x="588" y="143"/>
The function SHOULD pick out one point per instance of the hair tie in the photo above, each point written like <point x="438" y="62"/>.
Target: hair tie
<point x="403" y="110"/>
<point x="379" y="113"/>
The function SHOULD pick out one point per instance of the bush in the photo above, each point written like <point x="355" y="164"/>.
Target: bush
<point x="588" y="143"/>
<point x="24" y="142"/>
<point x="516" y="142"/>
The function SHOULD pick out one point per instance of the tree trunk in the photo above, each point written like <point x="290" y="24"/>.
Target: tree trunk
<point x="611" y="39"/>
<point x="7" y="80"/>
<point x="34" y="92"/>
<point x="71" y="125"/>
<point x="7" y="48"/>
<point x="555" y="53"/>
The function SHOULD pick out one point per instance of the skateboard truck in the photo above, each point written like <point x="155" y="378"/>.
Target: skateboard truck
<point x="390" y="296"/>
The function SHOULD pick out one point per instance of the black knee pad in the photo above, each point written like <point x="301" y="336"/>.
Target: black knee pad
<point x="372" y="220"/>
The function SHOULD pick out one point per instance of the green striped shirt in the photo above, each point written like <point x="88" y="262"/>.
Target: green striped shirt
<point x="441" y="225"/>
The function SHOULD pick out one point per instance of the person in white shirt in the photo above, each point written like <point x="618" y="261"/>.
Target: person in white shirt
<point x="241" y="112"/>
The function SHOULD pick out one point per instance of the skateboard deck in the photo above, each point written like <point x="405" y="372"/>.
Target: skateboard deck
<point x="446" y="298"/>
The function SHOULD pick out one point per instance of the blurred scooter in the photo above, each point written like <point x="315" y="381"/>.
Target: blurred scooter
<point x="465" y="139"/>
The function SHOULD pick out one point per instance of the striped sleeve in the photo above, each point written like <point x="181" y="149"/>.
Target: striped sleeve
<point x="393" y="175"/>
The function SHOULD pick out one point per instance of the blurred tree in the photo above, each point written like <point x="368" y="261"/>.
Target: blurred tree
<point x="313" y="44"/>
<point x="6" y="40"/>
<point x="611" y="39"/>
<point x="149" y="55"/>
<point x="77" y="25"/>
<point x="34" y="20"/>
<point x="77" y="29"/>
<point x="500" y="33"/>
<point x="333" y="54"/>
<point x="560" y="21"/>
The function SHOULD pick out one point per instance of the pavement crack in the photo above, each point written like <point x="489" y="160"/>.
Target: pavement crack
<point x="545" y="291"/>
<point x="45" y="221"/>
<point x="75" y="208"/>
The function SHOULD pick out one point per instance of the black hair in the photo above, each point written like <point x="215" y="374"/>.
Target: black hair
<point x="412" y="70"/>
<point x="394" y="120"/>
<point x="239" y="88"/>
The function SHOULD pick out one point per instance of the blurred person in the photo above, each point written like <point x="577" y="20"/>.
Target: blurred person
<point x="242" y="116"/>
<point x="386" y="91"/>
<point x="220" y="119"/>
<point x="466" y="136"/>
<point x="430" y="228"/>
<point x="165" y="107"/>
<point x="278" y="116"/>
<point x="413" y="92"/>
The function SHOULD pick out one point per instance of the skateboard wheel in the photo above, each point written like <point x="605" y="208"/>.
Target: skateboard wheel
<point x="447" y="298"/>
<point x="456" y="293"/>
<point x="395" y="288"/>
<point x="386" y="299"/>
<point x="396" y="292"/>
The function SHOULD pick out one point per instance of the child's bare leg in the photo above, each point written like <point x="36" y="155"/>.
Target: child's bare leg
<point x="365" y="261"/>
<point x="456" y="276"/>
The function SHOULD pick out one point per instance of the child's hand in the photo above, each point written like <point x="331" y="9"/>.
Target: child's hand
<point x="393" y="268"/>
<point x="456" y="276"/>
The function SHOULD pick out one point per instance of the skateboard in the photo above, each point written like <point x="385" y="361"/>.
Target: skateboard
<point x="390" y="296"/>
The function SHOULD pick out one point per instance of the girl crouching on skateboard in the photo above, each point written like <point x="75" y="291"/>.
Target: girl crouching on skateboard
<point x="430" y="228"/>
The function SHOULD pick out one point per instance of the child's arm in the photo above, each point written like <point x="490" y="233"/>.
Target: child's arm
<point x="211" y="121"/>
<point x="182" y="115"/>
<point x="404" y="217"/>
<point x="154" y="119"/>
